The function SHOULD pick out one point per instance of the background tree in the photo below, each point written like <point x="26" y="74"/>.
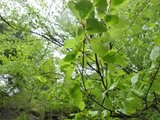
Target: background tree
<point x="111" y="64"/>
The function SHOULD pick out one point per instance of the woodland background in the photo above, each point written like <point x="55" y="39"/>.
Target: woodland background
<point x="80" y="59"/>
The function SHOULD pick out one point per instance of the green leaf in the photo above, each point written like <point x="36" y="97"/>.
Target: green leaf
<point x="108" y="103"/>
<point x="70" y="56"/>
<point x="154" y="53"/>
<point x="76" y="95"/>
<point x="101" y="7"/>
<point x="79" y="116"/>
<point x="70" y="43"/>
<point x="113" y="85"/>
<point x="79" y="11"/>
<point x="99" y="45"/>
<point x="72" y="5"/>
<point x="110" y="57"/>
<point x="111" y="19"/>
<point x="133" y="102"/>
<point x="134" y="79"/>
<point x="41" y="79"/>
<point x="157" y="40"/>
<point x="63" y="64"/>
<point x="84" y="7"/>
<point x="120" y="60"/>
<point x="155" y="87"/>
<point x="68" y="72"/>
<point x="81" y="105"/>
<point x="117" y="2"/>
<point x="80" y="33"/>
<point x="113" y="57"/>
<point x="75" y="91"/>
<point x="95" y="26"/>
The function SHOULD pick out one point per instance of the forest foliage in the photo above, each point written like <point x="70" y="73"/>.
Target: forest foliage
<point x="110" y="69"/>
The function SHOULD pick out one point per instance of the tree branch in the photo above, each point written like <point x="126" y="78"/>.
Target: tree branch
<point x="50" y="38"/>
<point x="151" y="83"/>
<point x="99" y="72"/>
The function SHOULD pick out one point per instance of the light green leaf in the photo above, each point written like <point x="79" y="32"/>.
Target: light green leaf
<point x="72" y="5"/>
<point x="113" y="85"/>
<point x="99" y="45"/>
<point x="154" y="53"/>
<point x="153" y="65"/>
<point x="41" y="79"/>
<point x="68" y="72"/>
<point x="79" y="116"/>
<point x="134" y="79"/>
<point x="81" y="105"/>
<point x="70" y="43"/>
<point x="111" y="19"/>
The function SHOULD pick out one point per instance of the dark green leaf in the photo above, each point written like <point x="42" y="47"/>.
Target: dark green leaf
<point x="101" y="7"/>
<point x="155" y="87"/>
<point x="80" y="9"/>
<point x="108" y="103"/>
<point x="95" y="26"/>
<point x="116" y="2"/>
<point x="84" y="7"/>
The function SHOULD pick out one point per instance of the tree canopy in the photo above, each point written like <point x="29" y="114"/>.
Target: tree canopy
<point x="107" y="65"/>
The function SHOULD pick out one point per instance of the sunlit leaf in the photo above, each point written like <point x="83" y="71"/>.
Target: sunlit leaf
<point x="72" y="5"/>
<point x="154" y="53"/>
<point x="81" y="105"/>
<point x="134" y="79"/>
<point x="70" y="43"/>
<point x="111" y="19"/>
<point x="113" y="85"/>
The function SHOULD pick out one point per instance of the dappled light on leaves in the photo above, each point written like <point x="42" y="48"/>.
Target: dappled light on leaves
<point x="106" y="65"/>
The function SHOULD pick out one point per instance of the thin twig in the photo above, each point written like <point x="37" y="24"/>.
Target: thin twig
<point x="99" y="72"/>
<point x="151" y="83"/>
<point x="50" y="38"/>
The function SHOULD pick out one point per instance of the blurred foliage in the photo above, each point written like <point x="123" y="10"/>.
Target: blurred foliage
<point x="110" y="68"/>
